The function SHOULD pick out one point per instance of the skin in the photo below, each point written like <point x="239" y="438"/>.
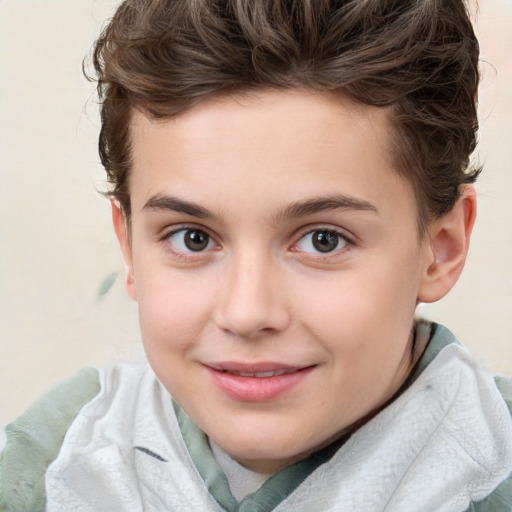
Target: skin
<point x="260" y="293"/>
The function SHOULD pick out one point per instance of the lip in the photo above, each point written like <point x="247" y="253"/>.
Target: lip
<point x="257" y="382"/>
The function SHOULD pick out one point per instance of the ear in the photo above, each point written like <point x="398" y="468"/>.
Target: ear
<point x="447" y="248"/>
<point x="123" y="236"/>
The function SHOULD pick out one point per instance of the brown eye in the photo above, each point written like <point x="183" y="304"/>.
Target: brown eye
<point x="190" y="240"/>
<point x="325" y="241"/>
<point x="321" y="240"/>
<point x="196" y="240"/>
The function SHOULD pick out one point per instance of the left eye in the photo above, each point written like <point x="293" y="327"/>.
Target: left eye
<point x="321" y="240"/>
<point x="190" y="240"/>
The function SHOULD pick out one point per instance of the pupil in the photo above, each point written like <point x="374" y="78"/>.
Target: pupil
<point x="324" y="241"/>
<point x="196" y="240"/>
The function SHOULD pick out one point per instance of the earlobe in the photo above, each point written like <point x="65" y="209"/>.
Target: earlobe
<point x="445" y="256"/>
<point x="123" y="236"/>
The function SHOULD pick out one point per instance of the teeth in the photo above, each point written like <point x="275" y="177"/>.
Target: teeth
<point x="265" y="374"/>
<point x="275" y="373"/>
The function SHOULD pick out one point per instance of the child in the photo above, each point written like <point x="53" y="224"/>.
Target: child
<point x="289" y="180"/>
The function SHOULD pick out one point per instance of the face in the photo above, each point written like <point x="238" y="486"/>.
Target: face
<point x="275" y="257"/>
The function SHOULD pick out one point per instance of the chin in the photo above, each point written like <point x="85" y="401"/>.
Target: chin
<point x="265" y="453"/>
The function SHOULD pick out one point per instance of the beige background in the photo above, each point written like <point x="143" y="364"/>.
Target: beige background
<point x="56" y="243"/>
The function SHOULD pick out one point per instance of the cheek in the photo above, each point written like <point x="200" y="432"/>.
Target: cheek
<point x="173" y="308"/>
<point x="356" y="301"/>
<point x="362" y="315"/>
<point x="172" y="321"/>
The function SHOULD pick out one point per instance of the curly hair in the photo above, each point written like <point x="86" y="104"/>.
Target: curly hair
<point x="419" y="58"/>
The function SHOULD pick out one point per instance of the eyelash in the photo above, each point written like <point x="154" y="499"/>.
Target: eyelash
<point x="346" y="242"/>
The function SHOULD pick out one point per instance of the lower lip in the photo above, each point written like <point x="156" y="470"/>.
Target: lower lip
<point x="257" y="389"/>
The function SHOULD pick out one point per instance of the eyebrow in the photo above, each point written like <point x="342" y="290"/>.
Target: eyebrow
<point x="170" y="203"/>
<point x="322" y="204"/>
<point x="294" y="210"/>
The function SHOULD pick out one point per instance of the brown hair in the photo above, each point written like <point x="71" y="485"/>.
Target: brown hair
<point x="418" y="57"/>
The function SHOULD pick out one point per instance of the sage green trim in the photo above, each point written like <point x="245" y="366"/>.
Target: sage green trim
<point x="277" y="488"/>
<point x="35" y="439"/>
<point x="204" y="460"/>
<point x="440" y="337"/>
<point x="500" y="500"/>
<point x="505" y="386"/>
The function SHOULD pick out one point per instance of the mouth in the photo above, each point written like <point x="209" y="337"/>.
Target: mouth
<point x="261" y="382"/>
<point x="261" y="375"/>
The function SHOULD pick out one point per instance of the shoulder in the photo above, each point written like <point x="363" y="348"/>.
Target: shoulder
<point x="501" y="498"/>
<point x="35" y="439"/>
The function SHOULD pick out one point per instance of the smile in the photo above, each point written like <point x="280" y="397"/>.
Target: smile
<point x="257" y="383"/>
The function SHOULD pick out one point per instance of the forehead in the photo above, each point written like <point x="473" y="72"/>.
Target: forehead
<point x="264" y="113"/>
<point x="294" y="142"/>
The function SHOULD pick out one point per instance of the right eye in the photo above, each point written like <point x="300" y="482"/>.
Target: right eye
<point x="190" y="240"/>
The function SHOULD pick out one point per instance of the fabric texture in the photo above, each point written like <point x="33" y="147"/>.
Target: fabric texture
<point x="241" y="480"/>
<point x="501" y="499"/>
<point x="35" y="438"/>
<point x="443" y="445"/>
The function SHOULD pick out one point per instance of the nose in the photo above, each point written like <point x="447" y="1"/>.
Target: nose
<point x="252" y="300"/>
